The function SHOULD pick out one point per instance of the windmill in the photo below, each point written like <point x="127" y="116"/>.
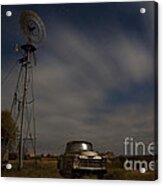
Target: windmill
<point x="23" y="104"/>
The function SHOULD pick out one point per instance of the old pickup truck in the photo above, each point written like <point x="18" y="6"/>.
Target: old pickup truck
<point x="80" y="159"/>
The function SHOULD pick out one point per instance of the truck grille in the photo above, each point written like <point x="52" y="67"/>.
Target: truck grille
<point x="91" y="163"/>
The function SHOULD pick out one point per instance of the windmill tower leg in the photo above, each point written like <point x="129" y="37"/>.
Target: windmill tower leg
<point x="22" y="119"/>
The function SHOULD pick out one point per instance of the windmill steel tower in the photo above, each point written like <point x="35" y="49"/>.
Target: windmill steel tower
<point x="23" y="104"/>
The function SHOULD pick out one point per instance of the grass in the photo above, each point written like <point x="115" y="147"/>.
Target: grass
<point x="43" y="169"/>
<point x="47" y="168"/>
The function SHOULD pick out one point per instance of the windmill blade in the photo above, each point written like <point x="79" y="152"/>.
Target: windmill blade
<point x="32" y="26"/>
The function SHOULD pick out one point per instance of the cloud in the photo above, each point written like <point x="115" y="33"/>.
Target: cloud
<point x="75" y="75"/>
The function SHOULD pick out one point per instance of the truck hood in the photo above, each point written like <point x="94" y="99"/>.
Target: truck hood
<point x="89" y="153"/>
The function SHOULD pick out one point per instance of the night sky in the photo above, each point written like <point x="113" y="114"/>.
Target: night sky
<point x="94" y="79"/>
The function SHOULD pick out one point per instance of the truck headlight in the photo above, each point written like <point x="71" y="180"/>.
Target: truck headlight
<point x="104" y="160"/>
<point x="76" y="159"/>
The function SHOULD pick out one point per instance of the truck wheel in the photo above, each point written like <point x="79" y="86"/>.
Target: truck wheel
<point x="77" y="175"/>
<point x="68" y="173"/>
<point x="100" y="176"/>
<point x="61" y="173"/>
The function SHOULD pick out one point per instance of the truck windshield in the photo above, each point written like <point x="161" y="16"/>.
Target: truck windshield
<point x="76" y="147"/>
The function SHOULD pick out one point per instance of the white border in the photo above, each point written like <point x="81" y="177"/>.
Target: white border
<point x="61" y="182"/>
